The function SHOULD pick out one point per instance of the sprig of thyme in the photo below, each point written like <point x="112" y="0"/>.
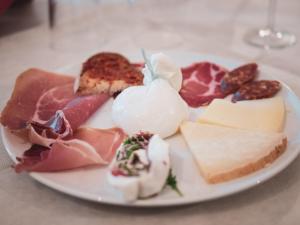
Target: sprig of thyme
<point x="172" y="182"/>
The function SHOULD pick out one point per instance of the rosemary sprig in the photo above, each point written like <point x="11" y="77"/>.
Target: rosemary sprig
<point x="147" y="62"/>
<point x="172" y="182"/>
<point x="131" y="149"/>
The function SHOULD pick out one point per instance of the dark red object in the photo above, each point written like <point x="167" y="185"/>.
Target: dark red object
<point x="257" y="90"/>
<point x="4" y="5"/>
<point x="234" y="79"/>
<point x="201" y="83"/>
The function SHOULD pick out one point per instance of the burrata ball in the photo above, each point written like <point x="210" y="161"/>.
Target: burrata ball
<point x="156" y="108"/>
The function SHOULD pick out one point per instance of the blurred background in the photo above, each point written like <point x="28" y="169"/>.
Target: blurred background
<point x="74" y="29"/>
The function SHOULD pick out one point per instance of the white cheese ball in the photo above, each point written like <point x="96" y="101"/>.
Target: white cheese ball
<point x="156" y="108"/>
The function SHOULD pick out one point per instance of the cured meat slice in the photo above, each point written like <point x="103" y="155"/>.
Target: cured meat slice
<point x="48" y="103"/>
<point x="234" y="79"/>
<point x="257" y="90"/>
<point x="61" y="156"/>
<point x="105" y="142"/>
<point x="201" y="83"/>
<point x="85" y="149"/>
<point x="29" y="87"/>
<point x="51" y="101"/>
<point x="64" y="122"/>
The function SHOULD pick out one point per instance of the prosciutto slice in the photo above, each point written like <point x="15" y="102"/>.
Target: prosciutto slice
<point x="65" y="121"/>
<point x="54" y="99"/>
<point x="29" y="87"/>
<point x="201" y="83"/>
<point x="87" y="147"/>
<point x="47" y="103"/>
<point x="105" y="141"/>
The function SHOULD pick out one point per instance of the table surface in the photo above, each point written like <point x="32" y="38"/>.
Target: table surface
<point x="204" y="27"/>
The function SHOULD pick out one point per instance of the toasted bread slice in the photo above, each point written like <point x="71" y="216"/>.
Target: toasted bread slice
<point x="108" y="73"/>
<point x="224" y="153"/>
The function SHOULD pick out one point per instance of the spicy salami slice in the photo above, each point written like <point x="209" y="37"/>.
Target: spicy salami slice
<point x="234" y="79"/>
<point x="257" y="90"/>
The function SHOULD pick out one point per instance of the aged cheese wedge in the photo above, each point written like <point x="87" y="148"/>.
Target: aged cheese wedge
<point x="264" y="114"/>
<point x="224" y="153"/>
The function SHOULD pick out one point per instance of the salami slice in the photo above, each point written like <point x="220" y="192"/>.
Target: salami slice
<point x="257" y="90"/>
<point x="234" y="79"/>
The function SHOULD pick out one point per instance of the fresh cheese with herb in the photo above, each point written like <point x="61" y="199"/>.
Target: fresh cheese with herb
<point x="141" y="167"/>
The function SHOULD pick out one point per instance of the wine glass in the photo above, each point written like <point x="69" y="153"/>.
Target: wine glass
<point x="270" y="37"/>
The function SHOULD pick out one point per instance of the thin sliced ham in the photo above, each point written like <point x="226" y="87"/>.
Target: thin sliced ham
<point x="105" y="142"/>
<point x="202" y="83"/>
<point x="65" y="121"/>
<point x="87" y="147"/>
<point x="54" y="99"/>
<point x="29" y="87"/>
<point x="47" y="103"/>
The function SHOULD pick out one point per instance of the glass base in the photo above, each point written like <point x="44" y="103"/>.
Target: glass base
<point x="268" y="38"/>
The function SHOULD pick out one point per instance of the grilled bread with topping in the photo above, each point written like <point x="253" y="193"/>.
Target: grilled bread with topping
<point x="108" y="72"/>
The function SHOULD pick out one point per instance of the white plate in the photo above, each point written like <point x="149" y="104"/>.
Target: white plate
<point x="90" y="183"/>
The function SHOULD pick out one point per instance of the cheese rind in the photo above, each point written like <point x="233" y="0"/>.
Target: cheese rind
<point x="264" y="114"/>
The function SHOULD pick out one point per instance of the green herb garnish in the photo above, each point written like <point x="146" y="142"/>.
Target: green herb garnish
<point x="127" y="141"/>
<point x="172" y="182"/>
<point x="130" y="145"/>
<point x="129" y="171"/>
<point x="133" y="147"/>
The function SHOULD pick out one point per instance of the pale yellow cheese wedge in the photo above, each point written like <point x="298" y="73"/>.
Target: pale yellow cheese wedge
<point x="224" y="153"/>
<point x="264" y="114"/>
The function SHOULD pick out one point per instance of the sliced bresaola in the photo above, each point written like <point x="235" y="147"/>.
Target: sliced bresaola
<point x="87" y="147"/>
<point x="201" y="83"/>
<point x="29" y="87"/>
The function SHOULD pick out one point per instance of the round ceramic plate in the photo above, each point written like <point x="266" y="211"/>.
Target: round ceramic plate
<point x="91" y="183"/>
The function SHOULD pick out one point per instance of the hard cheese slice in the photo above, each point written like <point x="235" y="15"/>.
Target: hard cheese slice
<point x="264" y="114"/>
<point x="224" y="153"/>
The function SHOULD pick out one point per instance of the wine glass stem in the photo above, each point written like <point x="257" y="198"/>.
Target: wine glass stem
<point x="271" y="15"/>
